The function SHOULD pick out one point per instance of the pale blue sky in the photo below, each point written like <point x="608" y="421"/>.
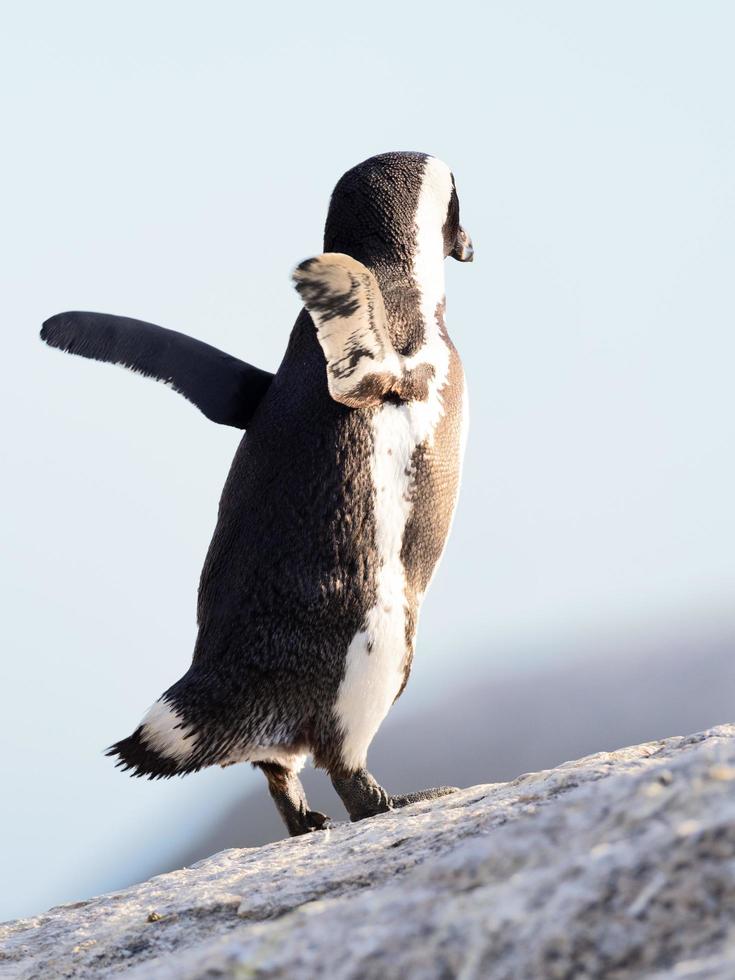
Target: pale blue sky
<point x="173" y="161"/>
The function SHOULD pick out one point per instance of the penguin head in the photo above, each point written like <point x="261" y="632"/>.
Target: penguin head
<point x="393" y="207"/>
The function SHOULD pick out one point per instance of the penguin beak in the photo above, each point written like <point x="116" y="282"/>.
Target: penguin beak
<point x="463" y="250"/>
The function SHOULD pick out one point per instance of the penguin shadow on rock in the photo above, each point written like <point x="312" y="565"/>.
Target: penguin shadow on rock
<point x="337" y="505"/>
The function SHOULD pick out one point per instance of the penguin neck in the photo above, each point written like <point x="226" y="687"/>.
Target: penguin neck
<point x="412" y="284"/>
<point x="412" y="290"/>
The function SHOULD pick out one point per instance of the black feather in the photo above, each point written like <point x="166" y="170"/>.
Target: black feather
<point x="224" y="388"/>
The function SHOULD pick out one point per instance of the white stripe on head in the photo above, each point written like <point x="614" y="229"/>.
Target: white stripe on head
<point x="431" y="213"/>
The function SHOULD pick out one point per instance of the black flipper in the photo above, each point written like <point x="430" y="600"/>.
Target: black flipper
<point x="225" y="389"/>
<point x="344" y="300"/>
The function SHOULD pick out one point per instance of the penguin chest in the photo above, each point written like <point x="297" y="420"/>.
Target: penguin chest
<point x="415" y="468"/>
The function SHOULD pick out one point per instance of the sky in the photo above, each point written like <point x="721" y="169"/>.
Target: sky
<point x="173" y="162"/>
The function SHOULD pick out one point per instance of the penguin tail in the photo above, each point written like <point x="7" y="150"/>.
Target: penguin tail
<point x="163" y="745"/>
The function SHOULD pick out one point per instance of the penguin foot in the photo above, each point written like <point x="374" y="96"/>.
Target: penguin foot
<point x="300" y="821"/>
<point x="425" y="794"/>
<point x="313" y="820"/>
<point x="363" y="796"/>
<point x="288" y="795"/>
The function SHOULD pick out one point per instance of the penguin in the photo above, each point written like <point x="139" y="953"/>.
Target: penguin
<point x="337" y="505"/>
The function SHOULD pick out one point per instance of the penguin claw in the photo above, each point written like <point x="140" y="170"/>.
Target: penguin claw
<point x="307" y="822"/>
<point x="397" y="802"/>
<point x="317" y="821"/>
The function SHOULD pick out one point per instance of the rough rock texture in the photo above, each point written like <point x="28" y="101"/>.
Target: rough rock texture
<point x="618" y="865"/>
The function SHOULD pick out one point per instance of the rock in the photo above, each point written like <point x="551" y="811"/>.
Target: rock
<point x="618" y="865"/>
<point x="616" y="689"/>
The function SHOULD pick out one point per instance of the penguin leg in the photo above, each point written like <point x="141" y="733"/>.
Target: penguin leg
<point x="290" y="799"/>
<point x="363" y="796"/>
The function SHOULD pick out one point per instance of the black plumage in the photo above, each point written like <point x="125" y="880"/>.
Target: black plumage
<point x="292" y="575"/>
<point x="224" y="388"/>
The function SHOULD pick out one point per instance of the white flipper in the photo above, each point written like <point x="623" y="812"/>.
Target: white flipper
<point x="344" y="300"/>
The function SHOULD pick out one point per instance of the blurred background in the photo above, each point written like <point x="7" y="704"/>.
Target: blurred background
<point x="173" y="162"/>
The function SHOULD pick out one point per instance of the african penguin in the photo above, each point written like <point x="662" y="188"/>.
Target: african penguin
<point x="337" y="505"/>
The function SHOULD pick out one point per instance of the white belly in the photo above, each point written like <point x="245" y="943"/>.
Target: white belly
<point x="377" y="655"/>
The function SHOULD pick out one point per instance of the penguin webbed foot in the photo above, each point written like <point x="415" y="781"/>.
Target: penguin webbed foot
<point x="288" y="794"/>
<point x="425" y="794"/>
<point x="312" y="820"/>
<point x="363" y="796"/>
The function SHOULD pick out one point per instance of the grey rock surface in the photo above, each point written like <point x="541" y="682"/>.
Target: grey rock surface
<point x="618" y="865"/>
<point x="495" y="722"/>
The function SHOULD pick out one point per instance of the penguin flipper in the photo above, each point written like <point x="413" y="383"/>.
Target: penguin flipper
<point x="344" y="300"/>
<point x="224" y="388"/>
